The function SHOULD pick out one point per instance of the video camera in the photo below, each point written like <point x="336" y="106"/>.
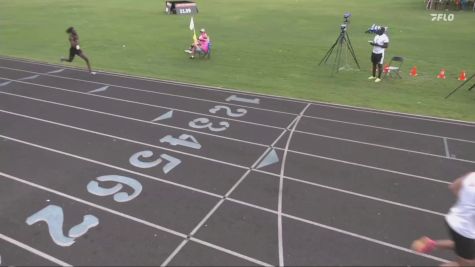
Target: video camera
<point x="346" y="20"/>
<point x="346" y="17"/>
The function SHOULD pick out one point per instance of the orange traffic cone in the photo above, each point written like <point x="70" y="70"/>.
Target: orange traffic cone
<point x="386" y="69"/>
<point x="413" y="72"/>
<point x="441" y="74"/>
<point x="462" y="76"/>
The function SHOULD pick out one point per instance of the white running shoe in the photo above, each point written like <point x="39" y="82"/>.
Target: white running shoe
<point x="93" y="73"/>
<point x="377" y="80"/>
<point x="371" y="78"/>
<point x="188" y="51"/>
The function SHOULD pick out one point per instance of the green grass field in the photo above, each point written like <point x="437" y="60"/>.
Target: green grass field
<point x="265" y="46"/>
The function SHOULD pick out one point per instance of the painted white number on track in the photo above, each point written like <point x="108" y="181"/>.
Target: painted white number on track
<point x="204" y="123"/>
<point x="137" y="162"/>
<point x="243" y="100"/>
<point x="54" y="218"/>
<point x="240" y="111"/>
<point x="94" y="188"/>
<point x="183" y="140"/>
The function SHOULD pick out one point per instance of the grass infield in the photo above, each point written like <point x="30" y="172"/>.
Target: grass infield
<point x="265" y="46"/>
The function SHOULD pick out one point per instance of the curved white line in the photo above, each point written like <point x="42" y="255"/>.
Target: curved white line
<point x="281" y="187"/>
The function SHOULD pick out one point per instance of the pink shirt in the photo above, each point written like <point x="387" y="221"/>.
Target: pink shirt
<point x="204" y="40"/>
<point x="203" y="35"/>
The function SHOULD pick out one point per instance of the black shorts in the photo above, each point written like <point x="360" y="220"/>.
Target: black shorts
<point x="376" y="58"/>
<point x="73" y="51"/>
<point x="464" y="247"/>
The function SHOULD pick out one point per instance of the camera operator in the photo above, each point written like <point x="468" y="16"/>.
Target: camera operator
<point x="380" y="43"/>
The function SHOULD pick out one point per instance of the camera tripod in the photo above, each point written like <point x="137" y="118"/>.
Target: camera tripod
<point x="460" y="86"/>
<point x="342" y="42"/>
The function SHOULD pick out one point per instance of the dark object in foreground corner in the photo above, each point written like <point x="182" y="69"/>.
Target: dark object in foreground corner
<point x="181" y="7"/>
<point x="460" y="86"/>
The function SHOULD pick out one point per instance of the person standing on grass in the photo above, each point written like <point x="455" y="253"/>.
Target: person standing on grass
<point x="76" y="49"/>
<point x="461" y="225"/>
<point x="380" y="43"/>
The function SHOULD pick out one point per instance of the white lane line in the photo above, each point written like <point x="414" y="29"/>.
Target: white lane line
<point x="366" y="196"/>
<point x="400" y="115"/>
<point x="269" y="96"/>
<point x="228" y="138"/>
<point x="366" y="166"/>
<point x="145" y="104"/>
<point x="121" y="138"/>
<point x="140" y="103"/>
<point x="33" y="250"/>
<point x="210" y="244"/>
<point x="382" y="146"/>
<point x="210" y="134"/>
<point x="174" y="253"/>
<point x="334" y="229"/>
<point x="221" y="201"/>
<point x="28" y="78"/>
<point x="126" y="216"/>
<point x="240" y="202"/>
<point x="153" y="92"/>
<point x="175" y="127"/>
<point x="264" y="172"/>
<point x="134" y="119"/>
<point x="281" y="189"/>
<point x="233" y="188"/>
<point x="193" y="232"/>
<point x="133" y="102"/>
<point x="387" y="129"/>
<point x="251" y="205"/>
<point x="243" y="167"/>
<point x="446" y="146"/>
<point x="372" y="240"/>
<point x="230" y="252"/>
<point x="111" y="166"/>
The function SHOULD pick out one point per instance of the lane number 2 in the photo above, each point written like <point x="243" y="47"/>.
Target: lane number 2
<point x="239" y="112"/>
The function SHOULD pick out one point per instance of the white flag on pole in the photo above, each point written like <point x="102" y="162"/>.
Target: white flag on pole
<point x="192" y="24"/>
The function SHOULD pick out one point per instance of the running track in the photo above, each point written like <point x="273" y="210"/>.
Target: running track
<point x="120" y="170"/>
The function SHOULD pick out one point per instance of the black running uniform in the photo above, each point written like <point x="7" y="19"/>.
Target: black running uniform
<point x="75" y="49"/>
